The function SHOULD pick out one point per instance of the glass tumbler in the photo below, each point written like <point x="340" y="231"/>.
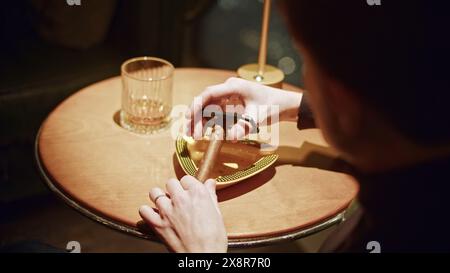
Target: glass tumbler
<point x="146" y="94"/>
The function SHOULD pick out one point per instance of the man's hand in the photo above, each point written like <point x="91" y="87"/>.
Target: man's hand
<point x="187" y="218"/>
<point x="250" y="95"/>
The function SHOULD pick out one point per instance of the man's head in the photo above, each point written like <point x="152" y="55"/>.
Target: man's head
<point x="375" y="69"/>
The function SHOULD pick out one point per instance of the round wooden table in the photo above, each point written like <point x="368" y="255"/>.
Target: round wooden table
<point x="106" y="172"/>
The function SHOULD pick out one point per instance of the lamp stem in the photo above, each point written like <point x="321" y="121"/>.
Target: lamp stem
<point x="263" y="42"/>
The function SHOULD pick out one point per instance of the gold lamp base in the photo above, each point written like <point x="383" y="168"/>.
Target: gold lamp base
<point x="272" y="75"/>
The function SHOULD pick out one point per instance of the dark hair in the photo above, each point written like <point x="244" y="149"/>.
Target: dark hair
<point x="394" y="56"/>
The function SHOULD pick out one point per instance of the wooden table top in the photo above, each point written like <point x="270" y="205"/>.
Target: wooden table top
<point x="107" y="171"/>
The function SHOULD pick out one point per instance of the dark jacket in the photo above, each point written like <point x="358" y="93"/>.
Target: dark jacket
<point x="403" y="210"/>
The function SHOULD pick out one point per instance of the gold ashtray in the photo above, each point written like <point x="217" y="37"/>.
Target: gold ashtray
<point x="237" y="161"/>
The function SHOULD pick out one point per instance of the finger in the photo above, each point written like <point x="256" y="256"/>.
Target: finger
<point x="166" y="233"/>
<point x="210" y="185"/>
<point x="214" y="93"/>
<point x="238" y="131"/>
<point x="174" y="187"/>
<point x="188" y="182"/>
<point x="193" y="128"/>
<point x="230" y="87"/>
<point x="191" y="118"/>
<point x="252" y="112"/>
<point x="160" y="199"/>
<point x="151" y="217"/>
<point x="187" y="128"/>
<point x="197" y="129"/>
<point x="243" y="127"/>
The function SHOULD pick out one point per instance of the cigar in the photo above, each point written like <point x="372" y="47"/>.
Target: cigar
<point x="212" y="152"/>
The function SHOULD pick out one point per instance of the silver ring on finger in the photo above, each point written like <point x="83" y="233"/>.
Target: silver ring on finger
<point x="159" y="196"/>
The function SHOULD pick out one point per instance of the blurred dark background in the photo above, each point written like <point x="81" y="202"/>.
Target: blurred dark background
<point x="50" y="49"/>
